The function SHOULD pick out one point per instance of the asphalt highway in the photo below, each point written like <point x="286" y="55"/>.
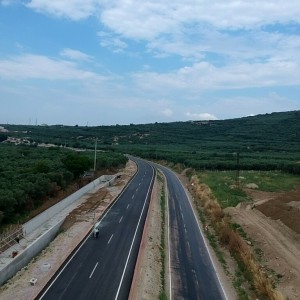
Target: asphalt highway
<point x="103" y="268"/>
<point x="192" y="274"/>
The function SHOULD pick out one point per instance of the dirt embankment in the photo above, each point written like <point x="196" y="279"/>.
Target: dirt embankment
<point x="273" y="223"/>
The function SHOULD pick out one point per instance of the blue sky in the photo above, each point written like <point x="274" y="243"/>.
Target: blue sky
<point x="106" y="62"/>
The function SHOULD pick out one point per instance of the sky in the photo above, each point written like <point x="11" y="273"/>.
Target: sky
<point x="107" y="62"/>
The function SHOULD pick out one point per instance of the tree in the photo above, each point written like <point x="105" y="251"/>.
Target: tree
<point x="3" y="137"/>
<point x="76" y="163"/>
<point x="42" y="166"/>
<point x="7" y="204"/>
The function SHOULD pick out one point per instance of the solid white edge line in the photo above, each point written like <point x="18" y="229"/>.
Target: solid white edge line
<point x="121" y="281"/>
<point x="170" y="274"/>
<point x="93" y="270"/>
<point x="195" y="216"/>
<point x="189" y="201"/>
<point x="168" y="222"/>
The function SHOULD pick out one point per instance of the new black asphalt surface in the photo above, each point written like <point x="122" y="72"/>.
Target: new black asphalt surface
<point x="192" y="275"/>
<point x="103" y="268"/>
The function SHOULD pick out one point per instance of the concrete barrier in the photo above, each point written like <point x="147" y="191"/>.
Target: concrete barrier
<point x="23" y="258"/>
<point x="42" y="218"/>
<point x="27" y="254"/>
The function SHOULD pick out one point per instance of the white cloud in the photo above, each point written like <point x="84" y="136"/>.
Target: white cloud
<point x="111" y="41"/>
<point x="148" y="19"/>
<point x="7" y="2"/>
<point x="75" y="55"/>
<point x="190" y="28"/>
<point x="139" y="19"/>
<point x="201" y="116"/>
<point x="255" y="45"/>
<point x="231" y="31"/>
<point x="29" y="66"/>
<point x="73" y="9"/>
<point x="205" y="76"/>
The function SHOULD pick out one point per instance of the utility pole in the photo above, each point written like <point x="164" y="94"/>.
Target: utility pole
<point x="238" y="169"/>
<point x="95" y="157"/>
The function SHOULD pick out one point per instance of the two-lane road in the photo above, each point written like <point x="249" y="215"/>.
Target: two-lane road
<point x="103" y="268"/>
<point x="192" y="274"/>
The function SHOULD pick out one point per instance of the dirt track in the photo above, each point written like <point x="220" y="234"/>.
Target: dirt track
<point x="265" y="225"/>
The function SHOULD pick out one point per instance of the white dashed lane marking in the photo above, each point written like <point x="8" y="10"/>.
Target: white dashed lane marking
<point x="93" y="270"/>
<point x="110" y="239"/>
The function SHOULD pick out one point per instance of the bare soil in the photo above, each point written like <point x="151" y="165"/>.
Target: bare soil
<point x="272" y="222"/>
<point x="284" y="207"/>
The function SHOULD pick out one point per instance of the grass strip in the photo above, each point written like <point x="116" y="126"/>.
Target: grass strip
<point x="163" y="294"/>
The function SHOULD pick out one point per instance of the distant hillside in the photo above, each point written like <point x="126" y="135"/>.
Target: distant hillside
<point x="270" y="141"/>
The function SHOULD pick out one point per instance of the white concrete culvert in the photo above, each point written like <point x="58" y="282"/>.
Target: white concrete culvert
<point x="45" y="267"/>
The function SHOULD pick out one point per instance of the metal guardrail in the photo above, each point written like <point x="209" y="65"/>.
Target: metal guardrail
<point x="11" y="237"/>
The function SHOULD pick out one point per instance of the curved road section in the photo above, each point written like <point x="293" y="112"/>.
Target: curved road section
<point x="192" y="274"/>
<point x="103" y="268"/>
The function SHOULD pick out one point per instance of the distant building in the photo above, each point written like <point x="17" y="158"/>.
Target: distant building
<point x="2" y="129"/>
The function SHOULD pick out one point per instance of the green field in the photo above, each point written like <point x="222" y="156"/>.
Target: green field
<point x="227" y="188"/>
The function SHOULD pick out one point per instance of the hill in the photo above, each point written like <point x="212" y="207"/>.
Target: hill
<point x="270" y="141"/>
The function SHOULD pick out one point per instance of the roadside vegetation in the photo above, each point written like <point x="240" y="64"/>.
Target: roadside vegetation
<point x="221" y="232"/>
<point x="163" y="209"/>
<point x="30" y="176"/>
<point x="227" y="187"/>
